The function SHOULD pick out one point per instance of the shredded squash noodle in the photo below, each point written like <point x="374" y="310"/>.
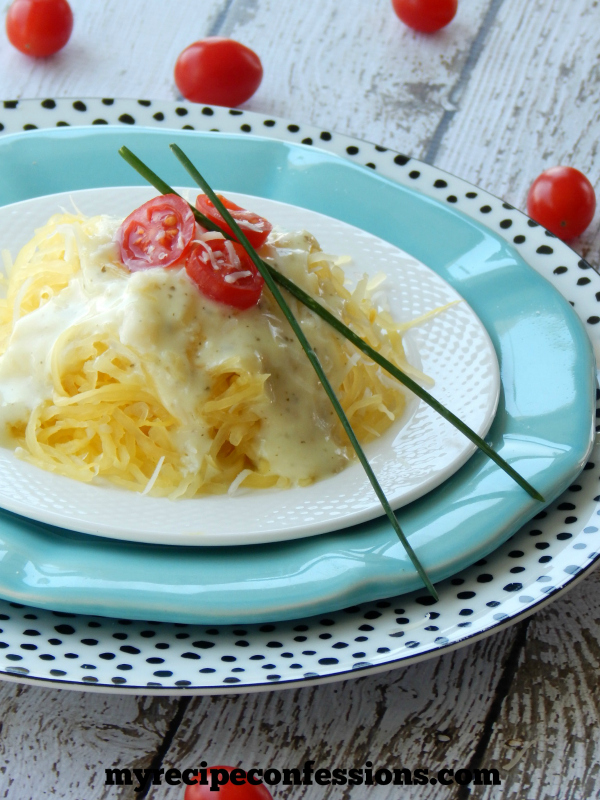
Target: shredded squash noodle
<point x="140" y="380"/>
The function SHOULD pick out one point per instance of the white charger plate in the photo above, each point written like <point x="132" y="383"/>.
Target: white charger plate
<point x="418" y="453"/>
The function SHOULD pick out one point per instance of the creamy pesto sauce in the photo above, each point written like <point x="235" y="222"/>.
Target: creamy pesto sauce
<point x="176" y="337"/>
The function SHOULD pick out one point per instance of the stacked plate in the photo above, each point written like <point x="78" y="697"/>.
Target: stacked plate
<point x="312" y="584"/>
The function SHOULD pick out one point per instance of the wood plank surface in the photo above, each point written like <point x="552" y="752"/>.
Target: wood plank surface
<point x="354" y="67"/>
<point x="507" y="90"/>
<point x="531" y="102"/>
<point x="58" y="743"/>
<point x="117" y="49"/>
<point x="551" y="714"/>
<point x="426" y="715"/>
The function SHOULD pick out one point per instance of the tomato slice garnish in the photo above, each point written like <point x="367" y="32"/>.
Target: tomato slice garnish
<point x="223" y="271"/>
<point x="157" y="234"/>
<point x="255" y="227"/>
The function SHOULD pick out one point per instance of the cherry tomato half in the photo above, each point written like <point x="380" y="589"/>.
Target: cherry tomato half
<point x="562" y="200"/>
<point x="426" y="16"/>
<point x="227" y="791"/>
<point x="255" y="227"/>
<point x="39" y="27"/>
<point x="223" y="271"/>
<point x="157" y="234"/>
<point x="218" y="71"/>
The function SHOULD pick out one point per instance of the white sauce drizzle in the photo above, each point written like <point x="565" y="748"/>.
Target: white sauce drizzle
<point x="179" y="336"/>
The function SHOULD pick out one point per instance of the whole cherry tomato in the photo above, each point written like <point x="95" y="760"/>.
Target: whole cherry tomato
<point x="223" y="271"/>
<point x="426" y="16"/>
<point x="218" y="72"/>
<point x="157" y="234"/>
<point x="562" y="200"/>
<point x="227" y="791"/>
<point x="39" y="27"/>
<point x="255" y="227"/>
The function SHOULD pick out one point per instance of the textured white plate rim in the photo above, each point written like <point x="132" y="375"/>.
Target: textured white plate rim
<point x="115" y="513"/>
<point x="436" y="180"/>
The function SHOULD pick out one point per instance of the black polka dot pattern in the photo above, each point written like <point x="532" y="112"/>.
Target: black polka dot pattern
<point x="536" y="563"/>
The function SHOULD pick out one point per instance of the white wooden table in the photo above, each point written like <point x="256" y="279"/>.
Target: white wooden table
<point x="508" y="89"/>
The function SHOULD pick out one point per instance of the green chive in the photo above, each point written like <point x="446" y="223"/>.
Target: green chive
<point x="397" y="373"/>
<point x="312" y="357"/>
<point x="318" y="309"/>
<point x="164" y="188"/>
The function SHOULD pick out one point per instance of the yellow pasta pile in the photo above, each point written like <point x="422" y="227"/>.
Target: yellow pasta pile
<point x="106" y="416"/>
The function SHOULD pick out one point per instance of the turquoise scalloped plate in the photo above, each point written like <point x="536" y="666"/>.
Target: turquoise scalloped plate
<point x="543" y="427"/>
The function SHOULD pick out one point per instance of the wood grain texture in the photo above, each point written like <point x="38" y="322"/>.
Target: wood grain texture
<point x="552" y="712"/>
<point x="532" y="102"/>
<point x="427" y="715"/>
<point x="58" y="743"/>
<point x="353" y="66"/>
<point x="508" y="89"/>
<point x="117" y="49"/>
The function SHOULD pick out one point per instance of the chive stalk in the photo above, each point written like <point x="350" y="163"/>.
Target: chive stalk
<point x="263" y="269"/>
<point x="312" y="357"/>
<point x="411" y="384"/>
<point x="326" y="315"/>
<point x="273" y="277"/>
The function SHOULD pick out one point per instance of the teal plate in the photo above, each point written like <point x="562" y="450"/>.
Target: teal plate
<point x="544" y="424"/>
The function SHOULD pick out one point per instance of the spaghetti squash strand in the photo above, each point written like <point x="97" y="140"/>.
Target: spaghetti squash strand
<point x="107" y="415"/>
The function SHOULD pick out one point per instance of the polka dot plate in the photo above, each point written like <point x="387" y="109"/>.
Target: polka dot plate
<point x="535" y="565"/>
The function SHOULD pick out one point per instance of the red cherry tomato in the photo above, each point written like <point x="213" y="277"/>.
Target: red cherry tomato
<point x="255" y="228"/>
<point x="223" y="271"/>
<point x="157" y="234"/>
<point x="39" y="27"/>
<point x="227" y="791"/>
<point x="426" y="16"/>
<point x="562" y="200"/>
<point x="218" y="71"/>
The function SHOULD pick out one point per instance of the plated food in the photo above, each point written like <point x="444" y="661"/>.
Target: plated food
<point x="452" y="348"/>
<point x="458" y="523"/>
<point x="145" y="352"/>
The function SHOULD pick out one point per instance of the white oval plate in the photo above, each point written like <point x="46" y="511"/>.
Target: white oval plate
<point x="416" y="454"/>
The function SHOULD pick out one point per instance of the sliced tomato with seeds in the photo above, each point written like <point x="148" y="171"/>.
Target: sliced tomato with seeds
<point x="255" y="228"/>
<point x="157" y="234"/>
<point x="223" y="271"/>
